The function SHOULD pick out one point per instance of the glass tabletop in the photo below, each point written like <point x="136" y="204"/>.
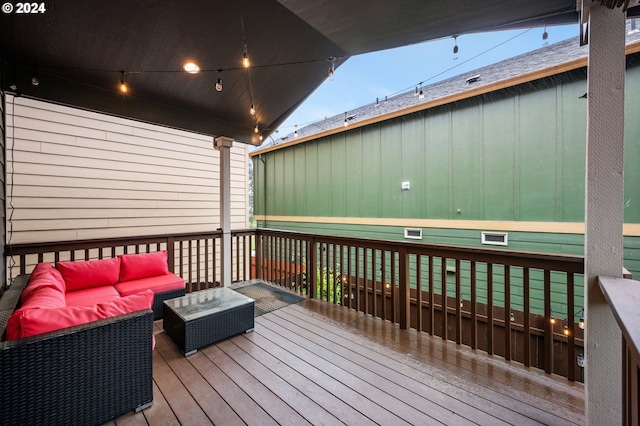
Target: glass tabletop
<point x="206" y="302"/>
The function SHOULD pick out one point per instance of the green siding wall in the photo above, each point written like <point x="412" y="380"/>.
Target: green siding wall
<point x="513" y="155"/>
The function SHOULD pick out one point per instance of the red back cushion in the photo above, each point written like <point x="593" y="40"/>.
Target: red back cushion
<point x="90" y="273"/>
<point x="44" y="297"/>
<point x="44" y="275"/>
<point x="29" y="322"/>
<point x="136" y="266"/>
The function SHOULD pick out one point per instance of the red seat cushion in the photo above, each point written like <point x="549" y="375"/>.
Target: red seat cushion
<point x="158" y="284"/>
<point x="89" y="273"/>
<point x="143" y="265"/>
<point x="44" y="275"/>
<point x="29" y="322"/>
<point x="91" y="296"/>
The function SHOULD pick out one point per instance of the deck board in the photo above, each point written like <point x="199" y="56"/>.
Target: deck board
<point x="316" y="363"/>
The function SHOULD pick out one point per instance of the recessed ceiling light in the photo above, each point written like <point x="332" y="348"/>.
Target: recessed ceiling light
<point x="191" y="68"/>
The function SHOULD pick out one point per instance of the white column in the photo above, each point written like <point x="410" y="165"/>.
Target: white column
<point x="604" y="211"/>
<point x="224" y="144"/>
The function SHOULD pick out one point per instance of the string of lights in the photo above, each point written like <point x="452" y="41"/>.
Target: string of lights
<point x="418" y="86"/>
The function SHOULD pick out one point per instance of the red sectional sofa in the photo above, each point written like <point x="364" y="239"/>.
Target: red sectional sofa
<point x="77" y="339"/>
<point x="73" y="293"/>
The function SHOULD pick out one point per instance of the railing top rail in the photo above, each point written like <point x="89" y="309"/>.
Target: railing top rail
<point x="51" y="246"/>
<point x="559" y="262"/>
<point x="623" y="297"/>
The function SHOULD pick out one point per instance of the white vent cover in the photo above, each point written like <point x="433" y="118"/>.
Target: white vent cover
<point x="495" y="238"/>
<point x="413" y="233"/>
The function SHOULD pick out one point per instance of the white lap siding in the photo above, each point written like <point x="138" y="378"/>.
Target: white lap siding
<point x="74" y="174"/>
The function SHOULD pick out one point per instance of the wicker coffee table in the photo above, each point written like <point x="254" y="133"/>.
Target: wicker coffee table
<point x="205" y="317"/>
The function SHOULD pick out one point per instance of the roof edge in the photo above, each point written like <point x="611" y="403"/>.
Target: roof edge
<point x="499" y="85"/>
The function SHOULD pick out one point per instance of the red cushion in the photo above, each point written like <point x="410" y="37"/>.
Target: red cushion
<point x="136" y="266"/>
<point x="158" y="284"/>
<point x="44" y="297"/>
<point x="29" y="322"/>
<point x="43" y="275"/>
<point x="91" y="296"/>
<point x="90" y="273"/>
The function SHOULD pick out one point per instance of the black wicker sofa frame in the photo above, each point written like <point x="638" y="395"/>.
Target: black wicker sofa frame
<point x="86" y="374"/>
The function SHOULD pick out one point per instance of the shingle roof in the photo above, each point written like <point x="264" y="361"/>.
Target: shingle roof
<point x="546" y="57"/>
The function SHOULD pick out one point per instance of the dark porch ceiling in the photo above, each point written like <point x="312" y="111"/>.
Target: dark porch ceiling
<point x="77" y="49"/>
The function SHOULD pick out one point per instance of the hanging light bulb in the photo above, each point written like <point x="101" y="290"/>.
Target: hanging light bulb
<point x="332" y="68"/>
<point x="252" y="110"/>
<point x="256" y="129"/>
<point x="345" y="123"/>
<point x="296" y="132"/>
<point x="565" y="330"/>
<point x="421" y="94"/>
<point x="245" y="56"/>
<point x="123" y="86"/>
<point x="219" y="82"/>
<point x="260" y="138"/>
<point x="545" y="34"/>
<point x="455" y="46"/>
<point x="581" y="323"/>
<point x="34" y="79"/>
<point x="552" y="320"/>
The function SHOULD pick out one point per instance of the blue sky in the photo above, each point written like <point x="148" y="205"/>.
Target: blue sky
<point x="364" y="77"/>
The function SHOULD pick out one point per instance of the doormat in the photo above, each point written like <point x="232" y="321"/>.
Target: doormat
<point x="268" y="297"/>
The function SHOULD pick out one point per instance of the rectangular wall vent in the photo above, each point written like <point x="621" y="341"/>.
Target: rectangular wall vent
<point x="495" y="238"/>
<point x="413" y="233"/>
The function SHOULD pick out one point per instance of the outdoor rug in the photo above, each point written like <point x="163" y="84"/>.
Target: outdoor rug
<point x="268" y="297"/>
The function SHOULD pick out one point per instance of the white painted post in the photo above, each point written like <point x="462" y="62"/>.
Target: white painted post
<point x="604" y="211"/>
<point x="224" y="144"/>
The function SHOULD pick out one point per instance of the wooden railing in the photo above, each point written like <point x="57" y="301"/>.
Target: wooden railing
<point x="520" y="306"/>
<point x="623" y="297"/>
<point x="196" y="257"/>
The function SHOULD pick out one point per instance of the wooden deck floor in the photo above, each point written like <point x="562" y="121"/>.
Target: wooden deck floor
<point x="314" y="363"/>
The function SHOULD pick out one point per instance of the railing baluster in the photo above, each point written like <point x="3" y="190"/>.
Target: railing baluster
<point x="432" y="310"/>
<point x="443" y="291"/>
<point x="290" y="263"/>
<point x="474" y="306"/>
<point x="374" y="285"/>
<point x="365" y="277"/>
<point x="571" y="364"/>
<point x="458" y="302"/>
<point x="312" y="267"/>
<point x="181" y="262"/>
<point x="341" y="280"/>
<point x="357" y="299"/>
<point x="404" y="292"/>
<point x="190" y="263"/>
<point x="418" y="292"/>
<point x="490" y="308"/>
<point x="214" y="261"/>
<point x="333" y="276"/>
<point x="384" y="282"/>
<point x="206" y="261"/>
<point x="507" y="313"/>
<point x="201" y="285"/>
<point x="548" y="326"/>
<point x="349" y="275"/>
<point x="527" y="317"/>
<point x="394" y="299"/>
